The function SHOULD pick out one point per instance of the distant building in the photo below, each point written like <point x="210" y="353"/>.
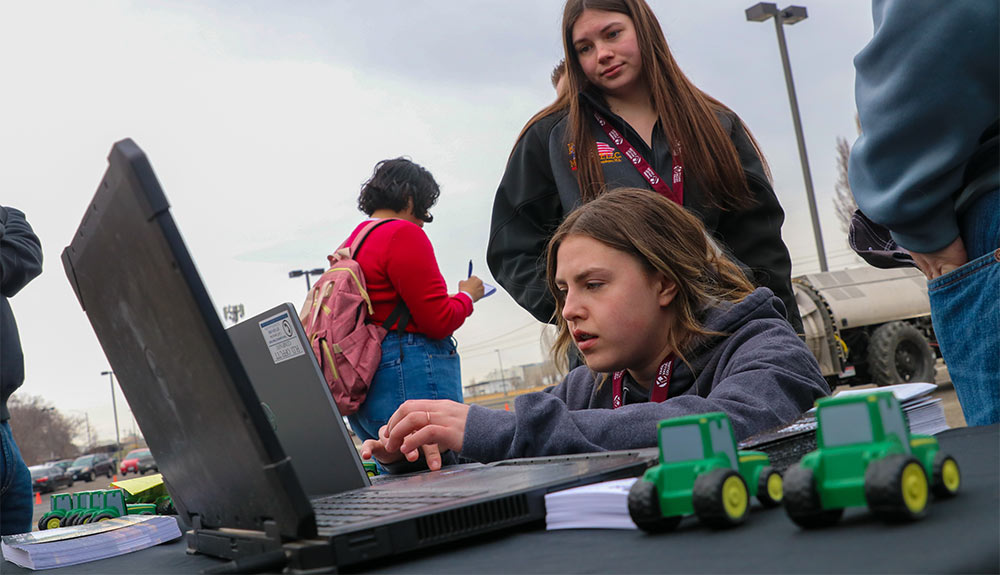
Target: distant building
<point x="515" y="380"/>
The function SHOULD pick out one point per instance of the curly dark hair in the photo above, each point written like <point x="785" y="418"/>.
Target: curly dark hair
<point x="392" y="185"/>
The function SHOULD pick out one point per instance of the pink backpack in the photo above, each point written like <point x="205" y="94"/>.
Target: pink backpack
<point x="336" y="318"/>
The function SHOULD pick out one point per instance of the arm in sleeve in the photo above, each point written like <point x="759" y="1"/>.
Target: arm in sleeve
<point x="526" y="212"/>
<point x="414" y="274"/>
<point x="768" y="379"/>
<point x="926" y="88"/>
<point x="20" y="252"/>
<point x="753" y="235"/>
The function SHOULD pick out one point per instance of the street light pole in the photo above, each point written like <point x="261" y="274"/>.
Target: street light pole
<point x="307" y="273"/>
<point x="114" y="407"/>
<point x="759" y="13"/>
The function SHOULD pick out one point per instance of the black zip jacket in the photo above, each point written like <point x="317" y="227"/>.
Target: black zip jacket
<point x="20" y="262"/>
<point x="539" y="189"/>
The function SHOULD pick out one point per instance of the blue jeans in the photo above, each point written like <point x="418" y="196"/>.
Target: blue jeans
<point x="16" y="505"/>
<point x="965" y="309"/>
<point x="428" y="369"/>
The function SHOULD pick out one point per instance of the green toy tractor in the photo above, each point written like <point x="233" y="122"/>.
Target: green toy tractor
<point x="701" y="472"/>
<point x="90" y="507"/>
<point x="866" y="456"/>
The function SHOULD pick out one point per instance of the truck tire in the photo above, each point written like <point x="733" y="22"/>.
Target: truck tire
<point x="720" y="498"/>
<point x="896" y="488"/>
<point x="644" y="508"/>
<point x="899" y="353"/>
<point x="802" y="502"/>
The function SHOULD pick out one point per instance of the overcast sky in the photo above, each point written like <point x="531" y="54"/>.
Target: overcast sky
<point x="263" y="118"/>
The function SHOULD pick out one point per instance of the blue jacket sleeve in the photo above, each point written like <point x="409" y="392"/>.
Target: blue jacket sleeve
<point x="926" y="89"/>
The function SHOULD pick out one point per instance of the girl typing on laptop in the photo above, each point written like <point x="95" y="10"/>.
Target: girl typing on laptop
<point x="667" y="326"/>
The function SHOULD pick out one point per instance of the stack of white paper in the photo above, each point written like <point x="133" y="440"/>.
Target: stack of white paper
<point x="598" y="506"/>
<point x="82" y="543"/>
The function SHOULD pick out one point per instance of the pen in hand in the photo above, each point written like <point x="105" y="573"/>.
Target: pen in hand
<point x="470" y="269"/>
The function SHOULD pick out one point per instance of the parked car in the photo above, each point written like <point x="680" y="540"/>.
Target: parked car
<point x="46" y="478"/>
<point x="87" y="467"/>
<point x="138" y="461"/>
<point x="63" y="464"/>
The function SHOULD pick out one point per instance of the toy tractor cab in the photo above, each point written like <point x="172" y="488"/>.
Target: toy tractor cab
<point x="866" y="456"/>
<point x="701" y="472"/>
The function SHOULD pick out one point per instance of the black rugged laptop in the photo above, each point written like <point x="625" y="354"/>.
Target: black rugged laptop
<point x="225" y="468"/>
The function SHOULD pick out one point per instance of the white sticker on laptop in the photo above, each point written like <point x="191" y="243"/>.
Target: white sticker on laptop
<point x="279" y="335"/>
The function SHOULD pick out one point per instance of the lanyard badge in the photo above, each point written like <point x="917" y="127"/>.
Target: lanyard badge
<point x="657" y="392"/>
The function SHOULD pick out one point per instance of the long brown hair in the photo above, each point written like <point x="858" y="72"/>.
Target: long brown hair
<point x="664" y="238"/>
<point x="687" y="115"/>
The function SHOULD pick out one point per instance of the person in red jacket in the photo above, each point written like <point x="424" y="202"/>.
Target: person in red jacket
<point x="419" y="362"/>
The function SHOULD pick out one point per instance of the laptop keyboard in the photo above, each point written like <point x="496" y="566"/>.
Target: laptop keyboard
<point x="355" y="506"/>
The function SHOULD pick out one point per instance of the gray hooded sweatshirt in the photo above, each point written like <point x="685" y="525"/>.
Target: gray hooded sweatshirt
<point x="760" y="374"/>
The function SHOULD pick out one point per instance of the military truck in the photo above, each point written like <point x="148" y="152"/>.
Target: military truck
<point x="866" y="456"/>
<point x="868" y="325"/>
<point x="701" y="472"/>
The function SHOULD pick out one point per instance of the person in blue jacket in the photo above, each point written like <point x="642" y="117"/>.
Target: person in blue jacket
<point x="926" y="168"/>
<point x="667" y="325"/>
<point x="20" y="262"/>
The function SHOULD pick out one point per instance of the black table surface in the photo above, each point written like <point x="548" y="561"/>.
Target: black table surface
<point x="959" y="535"/>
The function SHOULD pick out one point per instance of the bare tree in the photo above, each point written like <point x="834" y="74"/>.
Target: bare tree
<point x="42" y="433"/>
<point x="843" y="198"/>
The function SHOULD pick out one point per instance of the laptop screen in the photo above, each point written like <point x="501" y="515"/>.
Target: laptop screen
<point x="176" y="366"/>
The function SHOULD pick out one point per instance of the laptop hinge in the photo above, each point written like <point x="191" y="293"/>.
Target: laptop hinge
<point x="248" y="547"/>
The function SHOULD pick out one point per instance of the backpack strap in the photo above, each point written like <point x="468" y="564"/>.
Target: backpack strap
<point x="363" y="235"/>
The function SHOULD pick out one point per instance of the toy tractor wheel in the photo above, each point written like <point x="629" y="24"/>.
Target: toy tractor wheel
<point x="644" y="508"/>
<point x="896" y="488"/>
<point x="67" y="520"/>
<point x="720" y="498"/>
<point x="947" y="476"/>
<point x="102" y="516"/>
<point x="899" y="353"/>
<point x="802" y="502"/>
<point x="49" y="521"/>
<point x="770" y="487"/>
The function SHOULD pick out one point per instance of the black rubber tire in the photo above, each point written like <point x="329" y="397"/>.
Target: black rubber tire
<point x="83" y="518"/>
<point x="939" y="486"/>
<point x="802" y="502"/>
<point x="708" y="499"/>
<point x="89" y="477"/>
<point x="899" y="353"/>
<point x="103" y="516"/>
<point x="44" y="520"/>
<point x="884" y="488"/>
<point x="763" y="495"/>
<point x="644" y="508"/>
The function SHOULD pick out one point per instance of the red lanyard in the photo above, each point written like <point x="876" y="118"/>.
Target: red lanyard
<point x="657" y="393"/>
<point x="642" y="166"/>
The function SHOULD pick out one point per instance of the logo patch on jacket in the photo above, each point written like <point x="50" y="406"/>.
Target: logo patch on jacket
<point x="605" y="153"/>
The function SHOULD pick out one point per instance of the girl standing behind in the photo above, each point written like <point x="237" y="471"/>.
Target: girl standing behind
<point x="626" y="101"/>
<point x="667" y="326"/>
<point x="399" y="266"/>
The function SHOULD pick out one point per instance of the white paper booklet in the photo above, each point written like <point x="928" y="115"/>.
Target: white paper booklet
<point x="597" y="506"/>
<point x="79" y="544"/>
